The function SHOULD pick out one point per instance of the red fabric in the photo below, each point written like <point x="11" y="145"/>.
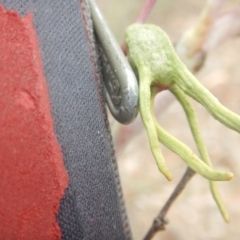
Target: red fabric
<point x="32" y="173"/>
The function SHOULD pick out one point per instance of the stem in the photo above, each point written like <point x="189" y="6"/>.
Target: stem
<point x="142" y="17"/>
<point x="160" y="221"/>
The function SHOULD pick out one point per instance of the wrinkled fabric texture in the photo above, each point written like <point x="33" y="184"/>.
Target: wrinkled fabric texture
<point x="92" y="207"/>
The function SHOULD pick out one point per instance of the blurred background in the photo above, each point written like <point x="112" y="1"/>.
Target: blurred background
<point x="194" y="215"/>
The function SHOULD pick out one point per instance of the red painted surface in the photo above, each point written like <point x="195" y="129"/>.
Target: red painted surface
<point x="32" y="173"/>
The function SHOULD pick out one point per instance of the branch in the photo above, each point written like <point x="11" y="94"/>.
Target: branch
<point x="160" y="221"/>
<point x="142" y="17"/>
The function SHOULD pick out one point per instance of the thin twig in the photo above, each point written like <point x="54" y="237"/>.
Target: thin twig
<point x="142" y="17"/>
<point x="160" y="221"/>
